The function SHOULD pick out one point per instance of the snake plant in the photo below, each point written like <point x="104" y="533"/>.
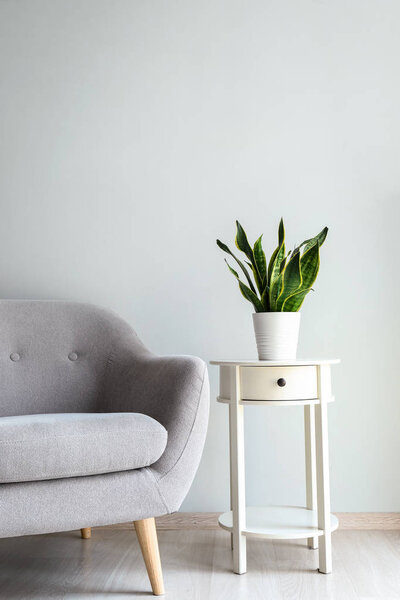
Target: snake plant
<point x="284" y="283"/>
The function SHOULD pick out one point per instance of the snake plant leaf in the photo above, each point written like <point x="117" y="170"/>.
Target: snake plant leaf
<point x="234" y="273"/>
<point x="259" y="258"/>
<point x="225" y="248"/>
<point x="251" y="297"/>
<point x="283" y="285"/>
<point x="275" y="260"/>
<point x="309" y="266"/>
<point x="257" y="279"/>
<point x="246" y="291"/>
<point x="291" y="280"/>
<point x="320" y="238"/>
<point x="281" y="232"/>
<point x="242" y="243"/>
<point x="265" y="299"/>
<point x="294" y="302"/>
<point x="283" y="263"/>
<point x="274" y="291"/>
<point x="271" y="264"/>
<point x="276" y="267"/>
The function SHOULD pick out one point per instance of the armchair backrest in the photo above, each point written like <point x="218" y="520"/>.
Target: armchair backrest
<point x="54" y="355"/>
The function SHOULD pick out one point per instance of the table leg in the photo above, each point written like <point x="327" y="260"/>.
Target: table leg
<point x="311" y="466"/>
<point x="237" y="475"/>
<point x="323" y="492"/>
<point x="230" y="464"/>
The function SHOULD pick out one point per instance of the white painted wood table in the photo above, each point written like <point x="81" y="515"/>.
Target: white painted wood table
<point x="280" y="383"/>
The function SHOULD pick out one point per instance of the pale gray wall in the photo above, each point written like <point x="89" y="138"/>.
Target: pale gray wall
<point x="133" y="133"/>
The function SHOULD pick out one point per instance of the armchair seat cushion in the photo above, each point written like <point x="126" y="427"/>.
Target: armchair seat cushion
<point x="56" y="446"/>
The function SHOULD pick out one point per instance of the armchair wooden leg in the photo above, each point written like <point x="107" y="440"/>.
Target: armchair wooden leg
<point x="86" y="533"/>
<point x="147" y="536"/>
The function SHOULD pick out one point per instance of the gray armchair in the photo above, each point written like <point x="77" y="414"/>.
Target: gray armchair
<point x="94" y="428"/>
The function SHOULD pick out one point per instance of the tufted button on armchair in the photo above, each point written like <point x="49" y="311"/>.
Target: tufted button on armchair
<point x="94" y="428"/>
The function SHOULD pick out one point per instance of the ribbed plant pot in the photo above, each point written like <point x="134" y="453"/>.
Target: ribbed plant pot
<point x="277" y="334"/>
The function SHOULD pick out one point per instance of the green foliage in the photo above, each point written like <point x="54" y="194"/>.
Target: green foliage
<point x="283" y="285"/>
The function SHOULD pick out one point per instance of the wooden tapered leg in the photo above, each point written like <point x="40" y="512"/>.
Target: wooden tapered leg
<point x="86" y="533"/>
<point x="147" y="536"/>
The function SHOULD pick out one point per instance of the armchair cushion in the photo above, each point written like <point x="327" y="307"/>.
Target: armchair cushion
<point x="61" y="445"/>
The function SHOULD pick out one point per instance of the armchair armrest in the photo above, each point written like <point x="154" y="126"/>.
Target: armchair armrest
<point x="174" y="390"/>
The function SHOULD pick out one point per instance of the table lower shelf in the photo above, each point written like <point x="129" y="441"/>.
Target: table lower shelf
<point x="279" y="522"/>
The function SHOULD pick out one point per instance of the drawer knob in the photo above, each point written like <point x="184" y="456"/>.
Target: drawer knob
<point x="281" y="382"/>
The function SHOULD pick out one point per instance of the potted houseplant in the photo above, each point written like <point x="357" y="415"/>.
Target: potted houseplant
<point x="276" y="291"/>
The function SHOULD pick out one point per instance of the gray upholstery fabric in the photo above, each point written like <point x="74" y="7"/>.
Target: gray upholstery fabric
<point x="111" y="372"/>
<point x="65" y="504"/>
<point x="53" y="446"/>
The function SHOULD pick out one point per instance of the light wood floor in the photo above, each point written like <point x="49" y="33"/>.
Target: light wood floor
<point x="197" y="566"/>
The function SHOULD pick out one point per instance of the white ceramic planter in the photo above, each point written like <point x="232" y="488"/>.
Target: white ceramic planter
<point x="277" y="334"/>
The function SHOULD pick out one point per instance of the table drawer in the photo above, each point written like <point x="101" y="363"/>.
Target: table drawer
<point x="261" y="383"/>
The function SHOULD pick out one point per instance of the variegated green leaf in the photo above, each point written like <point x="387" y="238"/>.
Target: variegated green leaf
<point x="309" y="266"/>
<point x="246" y="291"/>
<point x="283" y="263"/>
<point x="251" y="297"/>
<point x="271" y="264"/>
<point x="225" y="248"/>
<point x="275" y="260"/>
<point x="242" y="243"/>
<point x="234" y="273"/>
<point x="274" y="291"/>
<point x="320" y="238"/>
<point x="265" y="299"/>
<point x="291" y="280"/>
<point x="261" y="263"/>
<point x="294" y="302"/>
<point x="276" y="267"/>
<point x="287" y="280"/>
<point x="281" y="233"/>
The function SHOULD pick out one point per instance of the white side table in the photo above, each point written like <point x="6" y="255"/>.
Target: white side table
<point x="280" y="383"/>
